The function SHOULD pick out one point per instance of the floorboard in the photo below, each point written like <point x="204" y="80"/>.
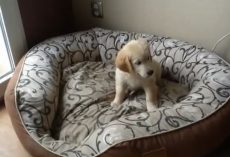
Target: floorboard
<point x="10" y="146"/>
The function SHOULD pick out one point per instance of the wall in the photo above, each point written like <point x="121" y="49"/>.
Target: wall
<point x="15" y="32"/>
<point x="200" y="22"/>
<point x="43" y="19"/>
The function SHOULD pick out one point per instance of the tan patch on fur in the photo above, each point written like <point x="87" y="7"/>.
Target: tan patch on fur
<point x="122" y="62"/>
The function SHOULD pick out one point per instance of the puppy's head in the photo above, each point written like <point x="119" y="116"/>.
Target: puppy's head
<point x="135" y="58"/>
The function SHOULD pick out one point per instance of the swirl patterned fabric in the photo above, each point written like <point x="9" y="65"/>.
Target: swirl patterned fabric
<point x="67" y="83"/>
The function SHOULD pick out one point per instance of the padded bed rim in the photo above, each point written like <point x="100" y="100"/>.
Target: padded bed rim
<point x="27" y="141"/>
<point x="196" y="144"/>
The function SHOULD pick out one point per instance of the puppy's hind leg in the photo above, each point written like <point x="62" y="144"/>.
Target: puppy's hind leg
<point x="120" y="95"/>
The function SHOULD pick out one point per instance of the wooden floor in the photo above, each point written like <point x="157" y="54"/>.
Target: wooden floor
<point x="9" y="143"/>
<point x="11" y="147"/>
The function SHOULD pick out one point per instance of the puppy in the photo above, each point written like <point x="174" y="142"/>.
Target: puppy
<point x="136" y="69"/>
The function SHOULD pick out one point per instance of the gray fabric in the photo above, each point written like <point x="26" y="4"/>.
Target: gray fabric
<point x="64" y="101"/>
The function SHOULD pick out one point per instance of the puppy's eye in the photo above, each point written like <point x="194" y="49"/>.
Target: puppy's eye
<point x="138" y="62"/>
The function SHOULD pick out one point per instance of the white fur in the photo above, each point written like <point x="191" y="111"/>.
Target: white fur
<point x="135" y="75"/>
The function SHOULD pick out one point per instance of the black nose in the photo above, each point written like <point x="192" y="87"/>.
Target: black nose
<point x="150" y="72"/>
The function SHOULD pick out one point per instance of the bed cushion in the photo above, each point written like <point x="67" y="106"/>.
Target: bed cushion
<point x="64" y="104"/>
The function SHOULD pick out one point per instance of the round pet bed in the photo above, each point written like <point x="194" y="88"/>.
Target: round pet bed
<point x="59" y="99"/>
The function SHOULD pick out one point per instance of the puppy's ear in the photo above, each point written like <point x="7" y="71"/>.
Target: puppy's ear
<point x="123" y="63"/>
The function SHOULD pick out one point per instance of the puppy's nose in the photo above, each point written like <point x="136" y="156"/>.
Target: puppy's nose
<point x="150" y="72"/>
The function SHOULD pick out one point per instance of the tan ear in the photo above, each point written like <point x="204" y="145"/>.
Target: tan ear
<point x="122" y="62"/>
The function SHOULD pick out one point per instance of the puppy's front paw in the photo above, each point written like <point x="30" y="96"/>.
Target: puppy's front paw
<point x="151" y="106"/>
<point x="114" y="104"/>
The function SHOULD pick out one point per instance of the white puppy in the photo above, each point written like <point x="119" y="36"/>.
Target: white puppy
<point x="136" y="69"/>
